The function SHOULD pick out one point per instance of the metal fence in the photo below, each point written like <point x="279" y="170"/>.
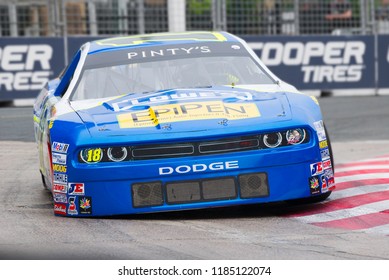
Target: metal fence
<point x="241" y="17"/>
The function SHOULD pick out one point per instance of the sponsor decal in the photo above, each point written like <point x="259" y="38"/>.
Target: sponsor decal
<point x="324" y="184"/>
<point x="343" y="60"/>
<point x="325" y="154"/>
<point x="60" y="178"/>
<point x="25" y="67"/>
<point x="316" y="168"/>
<point x="76" y="189"/>
<point x="58" y="158"/>
<point x="60" y="147"/>
<point x="60" y="188"/>
<point x="85" y="203"/>
<point x="329" y="174"/>
<point x="168" y="52"/>
<point x="92" y="155"/>
<point x="51" y="124"/>
<point x="60" y="209"/>
<point x="331" y="182"/>
<point x="195" y="168"/>
<point x="59" y="168"/>
<point x="327" y="164"/>
<point x="314" y="185"/>
<point x="182" y="95"/>
<point x="319" y="125"/>
<point x="223" y="122"/>
<point x="72" y="209"/>
<point x="321" y="134"/>
<point x="60" y="197"/>
<point x="323" y="144"/>
<point x="187" y="112"/>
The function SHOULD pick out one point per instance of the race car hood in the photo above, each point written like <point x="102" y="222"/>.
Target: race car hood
<point x="184" y="112"/>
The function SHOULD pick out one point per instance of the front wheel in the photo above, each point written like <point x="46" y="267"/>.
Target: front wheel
<point x="44" y="182"/>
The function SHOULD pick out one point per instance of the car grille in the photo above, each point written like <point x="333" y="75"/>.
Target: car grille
<point x="193" y="149"/>
<point x="135" y="152"/>
<point x="162" y="151"/>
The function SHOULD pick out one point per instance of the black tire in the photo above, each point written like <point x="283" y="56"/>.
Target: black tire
<point x="44" y="182"/>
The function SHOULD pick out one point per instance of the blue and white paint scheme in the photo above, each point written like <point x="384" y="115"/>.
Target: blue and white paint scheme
<point x="174" y="121"/>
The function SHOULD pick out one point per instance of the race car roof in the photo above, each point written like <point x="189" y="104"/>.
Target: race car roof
<point x="159" y="39"/>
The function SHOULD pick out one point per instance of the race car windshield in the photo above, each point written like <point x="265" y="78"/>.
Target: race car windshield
<point x="155" y="75"/>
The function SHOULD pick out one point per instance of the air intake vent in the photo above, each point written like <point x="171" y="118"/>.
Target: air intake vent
<point x="174" y="150"/>
<point x="253" y="185"/>
<point x="228" y="146"/>
<point x="147" y="194"/>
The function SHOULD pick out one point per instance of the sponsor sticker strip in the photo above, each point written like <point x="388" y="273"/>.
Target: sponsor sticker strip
<point x="60" y="209"/>
<point x="60" y="178"/>
<point x="323" y="144"/>
<point x="59" y="158"/>
<point x="85" y="203"/>
<point x="321" y="134"/>
<point x="76" y="189"/>
<point x="60" y="197"/>
<point x="72" y="207"/>
<point x="69" y="199"/>
<point x="59" y="168"/>
<point x="60" y="147"/>
<point x="325" y="154"/>
<point x="60" y="188"/>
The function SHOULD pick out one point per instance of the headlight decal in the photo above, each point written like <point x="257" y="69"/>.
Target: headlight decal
<point x="295" y="136"/>
<point x="92" y="155"/>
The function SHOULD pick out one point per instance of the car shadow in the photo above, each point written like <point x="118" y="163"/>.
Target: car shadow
<point x="279" y="209"/>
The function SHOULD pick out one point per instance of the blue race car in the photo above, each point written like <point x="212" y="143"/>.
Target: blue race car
<point x="174" y="121"/>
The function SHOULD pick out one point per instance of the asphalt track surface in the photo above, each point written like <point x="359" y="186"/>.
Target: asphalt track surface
<point x="358" y="127"/>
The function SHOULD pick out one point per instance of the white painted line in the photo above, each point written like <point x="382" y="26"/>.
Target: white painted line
<point x="361" y="177"/>
<point x="346" y="213"/>
<point x="370" y="160"/>
<point x="362" y="167"/>
<point x="384" y="229"/>
<point x="358" y="191"/>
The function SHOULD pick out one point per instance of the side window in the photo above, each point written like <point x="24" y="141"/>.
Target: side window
<point x="67" y="75"/>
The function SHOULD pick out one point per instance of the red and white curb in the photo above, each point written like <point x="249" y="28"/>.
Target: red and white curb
<point x="360" y="201"/>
